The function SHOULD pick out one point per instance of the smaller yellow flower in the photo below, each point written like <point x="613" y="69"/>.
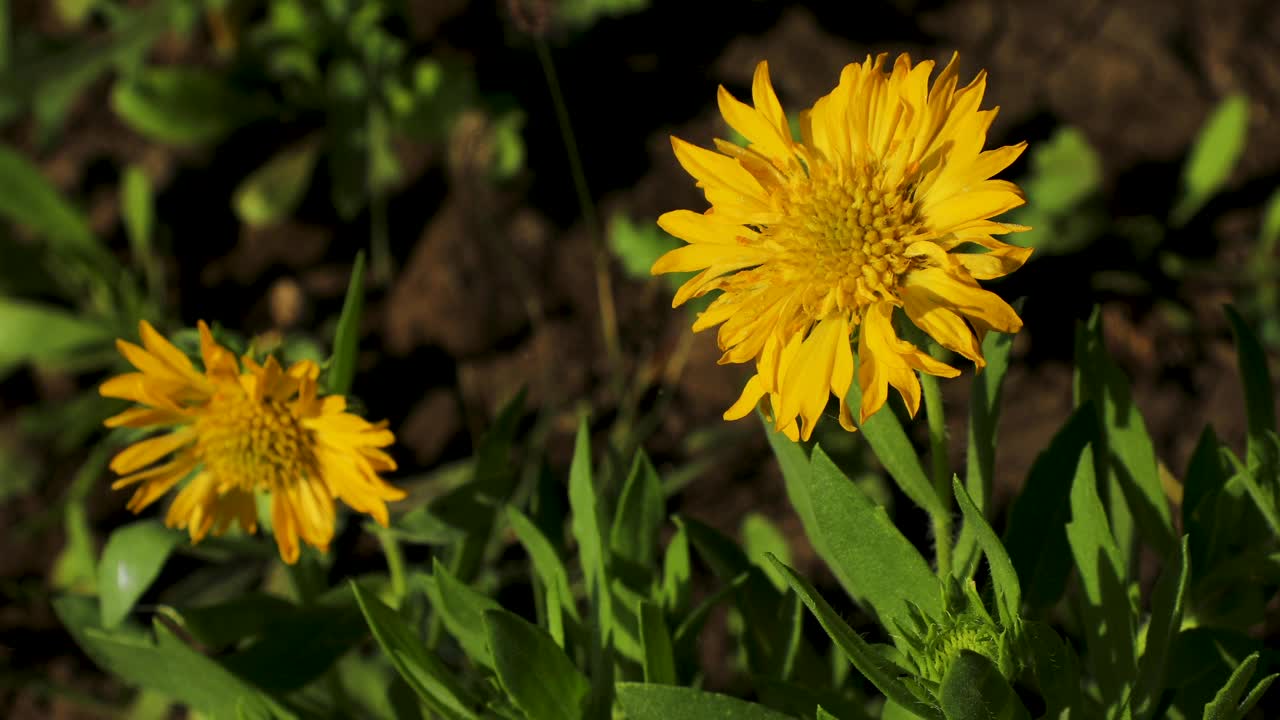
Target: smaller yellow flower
<point x="235" y="431"/>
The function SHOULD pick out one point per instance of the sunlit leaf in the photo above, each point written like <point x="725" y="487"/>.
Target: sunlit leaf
<point x="1214" y="155"/>
<point x="272" y="192"/>
<point x="132" y="559"/>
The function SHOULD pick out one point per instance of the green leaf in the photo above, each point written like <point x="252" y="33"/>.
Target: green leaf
<point x="1056" y="668"/>
<point x="43" y="334"/>
<point x="271" y="193"/>
<point x="346" y="339"/>
<point x="665" y="702"/>
<point x="138" y="211"/>
<point x="1108" y="614"/>
<point x="473" y="506"/>
<point x="420" y="526"/>
<point x="893" y="449"/>
<point x="882" y="673"/>
<point x="462" y="611"/>
<point x="1226" y="704"/>
<point x="508" y="145"/>
<point x="1166" y="619"/>
<point x="1259" y="395"/>
<point x="1004" y="577"/>
<point x="588" y="529"/>
<point x="1126" y="444"/>
<point x="677" y="573"/>
<point x="640" y="514"/>
<point x="1065" y="171"/>
<point x="638" y="246"/>
<point x="535" y="672"/>
<point x="974" y="689"/>
<point x="659" y="657"/>
<point x="581" y="13"/>
<point x="1214" y="155"/>
<point x="547" y="564"/>
<point x="166" y="665"/>
<point x="438" y="689"/>
<point x="984" y="417"/>
<point x="181" y="105"/>
<point x="867" y="553"/>
<point x="131" y="561"/>
<point x="755" y="597"/>
<point x="287" y="653"/>
<point x="29" y="199"/>
<point x="761" y="537"/>
<point x="1269" y="232"/>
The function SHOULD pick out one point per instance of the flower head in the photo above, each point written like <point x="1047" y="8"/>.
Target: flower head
<point x="238" y="428"/>
<point x="885" y="203"/>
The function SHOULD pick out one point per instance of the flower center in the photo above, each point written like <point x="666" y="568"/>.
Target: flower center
<point x="845" y="235"/>
<point x="254" y="446"/>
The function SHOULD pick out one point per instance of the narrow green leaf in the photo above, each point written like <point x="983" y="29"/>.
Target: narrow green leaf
<point x="1166" y="619"/>
<point x="271" y="193"/>
<point x="462" y="609"/>
<point x="824" y="715"/>
<point x="166" y="665"/>
<point x="793" y="460"/>
<point x="438" y="689"/>
<point x="974" y="689"/>
<point x="36" y="333"/>
<point x="587" y="526"/>
<point x="640" y="514"/>
<point x="547" y="564"/>
<point x="137" y="210"/>
<point x="893" y="449"/>
<point x="872" y="665"/>
<point x="1259" y="398"/>
<point x="181" y="105"/>
<point x="29" y="199"/>
<point x="677" y="573"/>
<point x="980" y="455"/>
<point x="1036" y="536"/>
<point x="346" y="339"/>
<point x="665" y="702"/>
<point x="535" y="672"/>
<point x="866" y="551"/>
<point x="659" y="657"/>
<point x="1004" y="577"/>
<point x="1108" y="614"/>
<point x="1214" y="155"/>
<point x="1226" y="704"/>
<point x="473" y="506"/>
<point x="131" y="561"/>
<point x="1255" y="695"/>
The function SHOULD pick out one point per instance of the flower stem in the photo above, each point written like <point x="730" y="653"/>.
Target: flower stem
<point x="395" y="563"/>
<point x="937" y="420"/>
<point x="604" y="282"/>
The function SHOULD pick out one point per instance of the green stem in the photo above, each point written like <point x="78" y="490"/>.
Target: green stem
<point x="395" y="563"/>
<point x="937" y="420"/>
<point x="604" y="282"/>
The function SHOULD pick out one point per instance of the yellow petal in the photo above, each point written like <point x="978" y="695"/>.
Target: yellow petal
<point x="747" y="401"/>
<point x="807" y="383"/>
<point x="146" y="452"/>
<point x="758" y="131"/>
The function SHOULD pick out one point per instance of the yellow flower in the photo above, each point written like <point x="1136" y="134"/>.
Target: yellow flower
<point x="885" y="202"/>
<point x="237" y="431"/>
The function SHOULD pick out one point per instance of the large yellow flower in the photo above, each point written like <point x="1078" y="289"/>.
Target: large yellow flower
<point x="886" y="202"/>
<point x="235" y="432"/>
